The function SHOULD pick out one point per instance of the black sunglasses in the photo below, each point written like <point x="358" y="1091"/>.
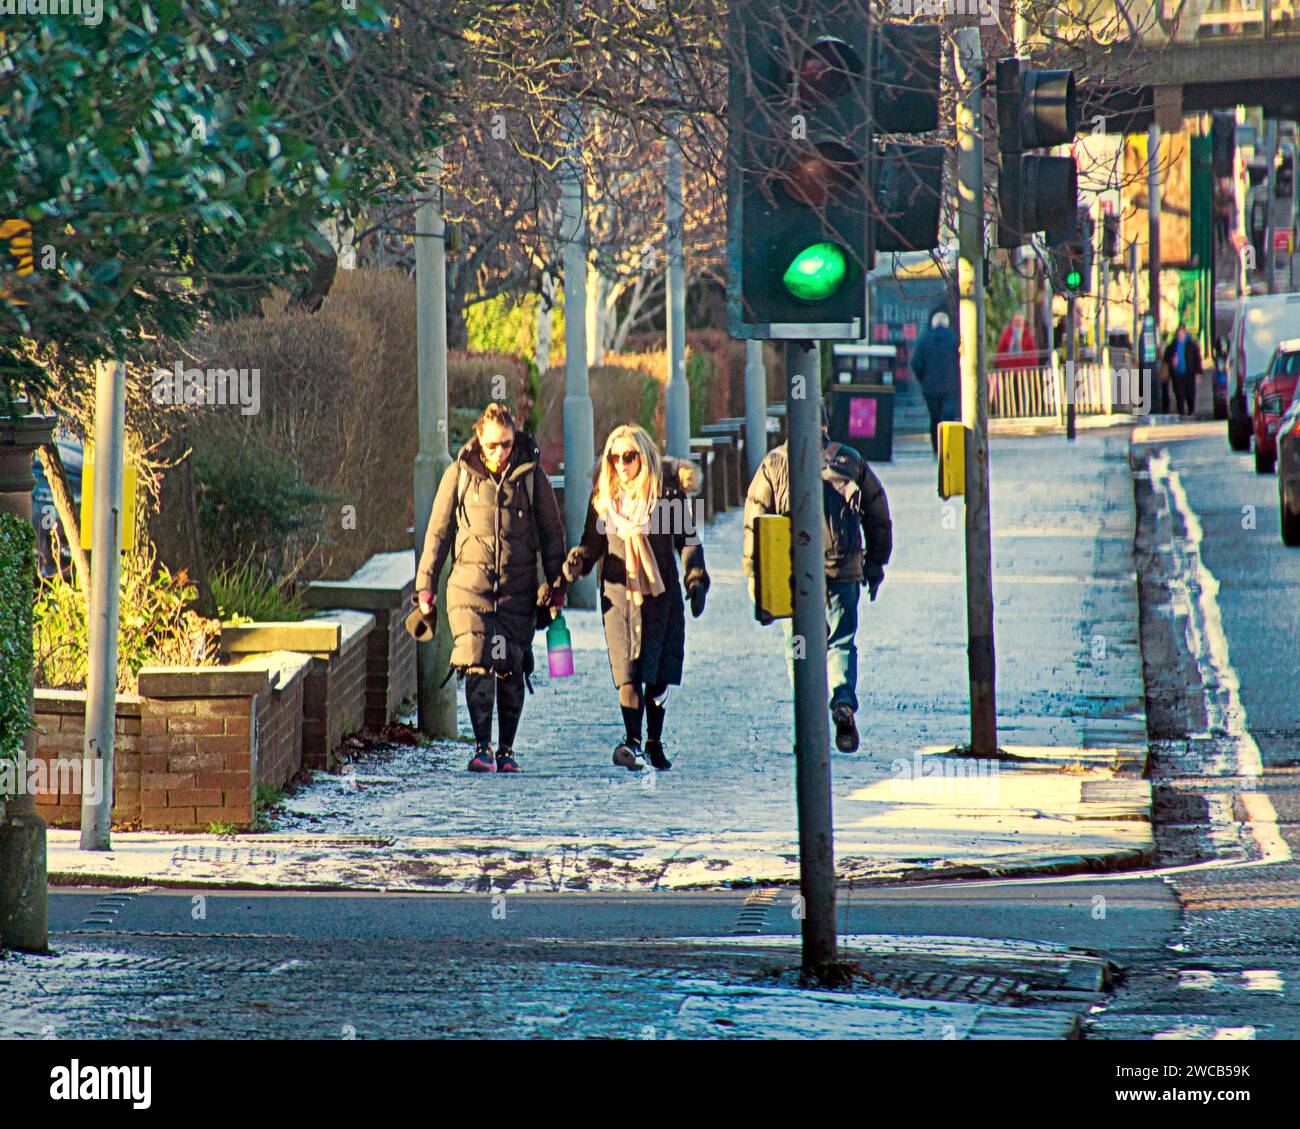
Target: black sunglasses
<point x="627" y="457"/>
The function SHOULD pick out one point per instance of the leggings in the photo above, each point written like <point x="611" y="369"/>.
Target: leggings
<point x="633" y="700"/>
<point x="481" y="690"/>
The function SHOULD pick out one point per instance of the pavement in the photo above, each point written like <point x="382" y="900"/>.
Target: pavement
<point x="1068" y="795"/>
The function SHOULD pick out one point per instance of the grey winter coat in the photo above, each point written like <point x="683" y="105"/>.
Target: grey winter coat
<point x="647" y="643"/>
<point x="495" y="536"/>
<point x="853" y="502"/>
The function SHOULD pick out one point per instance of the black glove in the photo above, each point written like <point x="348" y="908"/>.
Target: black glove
<point x="551" y="597"/>
<point x="697" y="586"/>
<point x="573" y="564"/>
<point x="872" y="582"/>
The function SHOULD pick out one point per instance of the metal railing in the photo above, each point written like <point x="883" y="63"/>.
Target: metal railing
<point x="1043" y="392"/>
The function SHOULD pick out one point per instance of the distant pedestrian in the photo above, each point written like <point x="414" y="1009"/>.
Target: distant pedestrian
<point x="495" y="514"/>
<point x="859" y="538"/>
<point x="1182" y="366"/>
<point x="934" y="360"/>
<point x="639" y="520"/>
<point x="1016" y="346"/>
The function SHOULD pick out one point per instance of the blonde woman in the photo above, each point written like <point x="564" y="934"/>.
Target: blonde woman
<point x="639" y="521"/>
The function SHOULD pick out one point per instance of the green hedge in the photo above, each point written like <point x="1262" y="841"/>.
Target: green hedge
<point x="17" y="575"/>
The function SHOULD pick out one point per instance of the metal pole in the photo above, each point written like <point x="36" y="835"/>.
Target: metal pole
<point x="1071" y="366"/>
<point x="1049" y="342"/>
<point x="437" y="702"/>
<point x="811" y="727"/>
<point x="579" y="420"/>
<point x="1145" y="405"/>
<point x="677" y="394"/>
<point x="105" y="596"/>
<point x="975" y="394"/>
<point x="1270" y="256"/>
<point x="1153" y="250"/>
<point x="755" y="406"/>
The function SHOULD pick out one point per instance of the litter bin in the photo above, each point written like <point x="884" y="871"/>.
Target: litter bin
<point x="862" y="416"/>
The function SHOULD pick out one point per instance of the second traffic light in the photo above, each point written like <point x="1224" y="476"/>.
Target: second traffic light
<point x="1036" y="110"/>
<point x="1070" y="255"/>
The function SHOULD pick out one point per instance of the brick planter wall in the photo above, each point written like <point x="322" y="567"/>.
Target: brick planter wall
<point x="334" y="691"/>
<point x="383" y="586"/>
<point x="190" y="749"/>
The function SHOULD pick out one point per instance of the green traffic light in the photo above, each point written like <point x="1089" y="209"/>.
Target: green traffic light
<point x="1073" y="279"/>
<point x="817" y="272"/>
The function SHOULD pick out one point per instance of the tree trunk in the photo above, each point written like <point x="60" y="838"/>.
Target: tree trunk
<point x="319" y="280"/>
<point x="174" y="529"/>
<point x="57" y="477"/>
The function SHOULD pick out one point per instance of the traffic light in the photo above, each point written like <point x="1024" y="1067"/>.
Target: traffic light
<point x="1109" y="235"/>
<point x="1070" y="255"/>
<point x="906" y="178"/>
<point x="1036" y="110"/>
<point x="797" y="176"/>
<point x="906" y="184"/>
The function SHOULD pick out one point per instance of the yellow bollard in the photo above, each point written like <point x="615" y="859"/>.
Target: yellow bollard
<point x="952" y="459"/>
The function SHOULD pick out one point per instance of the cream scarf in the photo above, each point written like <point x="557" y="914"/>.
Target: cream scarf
<point x="629" y="518"/>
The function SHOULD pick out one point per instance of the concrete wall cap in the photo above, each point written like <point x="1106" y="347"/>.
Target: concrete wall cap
<point x="202" y="682"/>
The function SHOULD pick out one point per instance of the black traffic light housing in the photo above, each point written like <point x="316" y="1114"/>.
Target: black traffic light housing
<point x="1036" y="110"/>
<point x="906" y="178"/>
<point x="1070" y="255"/>
<point x="797" y="175"/>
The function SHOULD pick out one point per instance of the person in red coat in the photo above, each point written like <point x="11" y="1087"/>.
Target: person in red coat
<point x="1016" y="346"/>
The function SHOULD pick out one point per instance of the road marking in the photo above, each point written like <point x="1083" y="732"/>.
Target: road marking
<point x="1194" y="591"/>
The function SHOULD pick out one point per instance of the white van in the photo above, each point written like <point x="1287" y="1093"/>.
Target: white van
<point x="1262" y="320"/>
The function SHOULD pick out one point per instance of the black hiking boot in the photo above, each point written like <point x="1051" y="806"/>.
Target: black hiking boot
<point x="846" y="729"/>
<point x="655" y="751"/>
<point x="506" y="761"/>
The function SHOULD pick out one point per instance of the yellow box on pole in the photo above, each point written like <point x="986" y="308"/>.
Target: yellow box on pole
<point x="88" y="504"/>
<point x="773" y="583"/>
<point x="952" y="459"/>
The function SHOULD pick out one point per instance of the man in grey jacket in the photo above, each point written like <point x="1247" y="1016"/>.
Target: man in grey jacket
<point x="859" y="539"/>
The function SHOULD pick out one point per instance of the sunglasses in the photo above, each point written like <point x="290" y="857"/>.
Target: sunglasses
<point x="627" y="458"/>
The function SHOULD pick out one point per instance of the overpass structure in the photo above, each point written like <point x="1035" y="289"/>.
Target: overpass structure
<point x="1139" y="58"/>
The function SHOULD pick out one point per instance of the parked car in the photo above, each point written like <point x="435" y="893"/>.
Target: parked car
<point x="1261" y="321"/>
<point x="1288" y="473"/>
<point x="43" y="517"/>
<point x="1272" y="397"/>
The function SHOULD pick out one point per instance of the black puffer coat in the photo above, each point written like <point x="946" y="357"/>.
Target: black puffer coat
<point x="647" y="643"/>
<point x="495" y="537"/>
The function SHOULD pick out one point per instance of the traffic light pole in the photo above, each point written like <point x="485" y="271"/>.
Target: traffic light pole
<point x="579" y="418"/>
<point x="1153" y="253"/>
<point x="968" y="62"/>
<point x="435" y="697"/>
<point x="1071" y="364"/>
<point x="811" y="729"/>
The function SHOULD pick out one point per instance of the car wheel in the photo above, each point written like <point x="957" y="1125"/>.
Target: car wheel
<point x="1264" y="464"/>
<point x="1290" y="518"/>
